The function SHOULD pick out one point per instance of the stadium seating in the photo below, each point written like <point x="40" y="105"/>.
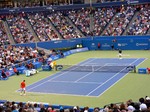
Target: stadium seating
<point x="3" y="35"/>
<point x="81" y="18"/>
<point x="19" y="29"/>
<point x="42" y="27"/>
<point x="63" y="26"/>
<point x="120" y="21"/>
<point x="140" y="25"/>
<point x="107" y="21"/>
<point x="17" y="55"/>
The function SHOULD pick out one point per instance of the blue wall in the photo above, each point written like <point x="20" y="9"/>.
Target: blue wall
<point x="60" y="44"/>
<point x="122" y="42"/>
<point x="55" y="44"/>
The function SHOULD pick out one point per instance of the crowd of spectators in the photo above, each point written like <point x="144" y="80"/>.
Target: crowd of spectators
<point x="101" y="17"/>
<point x="91" y="22"/>
<point x="42" y="27"/>
<point x="120" y="22"/>
<point x="3" y="35"/>
<point x="19" y="29"/>
<point x="141" y="24"/>
<point x="81" y="19"/>
<point x="13" y="55"/>
<point x="63" y="26"/>
<point x="143" y="105"/>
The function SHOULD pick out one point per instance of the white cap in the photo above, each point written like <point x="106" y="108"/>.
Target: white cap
<point x="74" y="107"/>
<point x="143" y="106"/>
<point x="130" y="108"/>
<point x="147" y="98"/>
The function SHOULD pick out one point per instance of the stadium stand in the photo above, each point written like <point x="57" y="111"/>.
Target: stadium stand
<point x="42" y="27"/>
<point x="141" y="25"/>
<point x="63" y="26"/>
<point x="108" y="21"/>
<point x="4" y="40"/>
<point x="50" y="25"/>
<point x="81" y="19"/>
<point x="19" y="29"/>
<point x="13" y="55"/>
<point x="120" y="22"/>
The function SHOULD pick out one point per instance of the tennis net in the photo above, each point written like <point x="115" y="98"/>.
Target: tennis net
<point x="96" y="68"/>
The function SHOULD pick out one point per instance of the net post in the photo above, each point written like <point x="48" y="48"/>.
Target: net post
<point x="134" y="69"/>
<point x="55" y="67"/>
<point x="92" y="68"/>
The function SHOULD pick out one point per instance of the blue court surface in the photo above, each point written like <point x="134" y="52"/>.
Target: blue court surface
<point x="84" y="83"/>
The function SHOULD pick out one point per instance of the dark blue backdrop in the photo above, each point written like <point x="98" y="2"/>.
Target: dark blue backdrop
<point x="121" y="42"/>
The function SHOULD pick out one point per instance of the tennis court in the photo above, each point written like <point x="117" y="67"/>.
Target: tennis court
<point x="81" y="83"/>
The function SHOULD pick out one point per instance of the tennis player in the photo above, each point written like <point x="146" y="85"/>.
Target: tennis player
<point x="120" y="53"/>
<point x="23" y="88"/>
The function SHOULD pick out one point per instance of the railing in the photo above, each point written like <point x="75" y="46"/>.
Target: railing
<point x="60" y="8"/>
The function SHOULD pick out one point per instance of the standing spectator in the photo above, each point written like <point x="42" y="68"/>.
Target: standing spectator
<point x="112" y="46"/>
<point x="148" y="70"/>
<point x="98" y="45"/>
<point x="143" y="106"/>
<point x="16" y="71"/>
<point x="4" y="74"/>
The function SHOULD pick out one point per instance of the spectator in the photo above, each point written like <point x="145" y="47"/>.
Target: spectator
<point x="143" y="106"/>
<point x="98" y="45"/>
<point x="148" y="70"/>
<point x="16" y="71"/>
<point x="4" y="74"/>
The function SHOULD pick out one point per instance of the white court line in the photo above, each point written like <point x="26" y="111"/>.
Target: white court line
<point x="52" y="74"/>
<point x="124" y="55"/>
<point x="59" y="94"/>
<point x="109" y="79"/>
<point x="88" y="74"/>
<point x="78" y="82"/>
<point x="56" y="76"/>
<point x="80" y="95"/>
<point x="119" y="79"/>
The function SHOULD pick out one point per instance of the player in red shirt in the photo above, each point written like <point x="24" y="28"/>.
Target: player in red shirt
<point x="23" y="88"/>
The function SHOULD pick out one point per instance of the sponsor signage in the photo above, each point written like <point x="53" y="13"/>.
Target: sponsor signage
<point x="133" y="1"/>
<point x="122" y="44"/>
<point x="141" y="44"/>
<point x="105" y="45"/>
